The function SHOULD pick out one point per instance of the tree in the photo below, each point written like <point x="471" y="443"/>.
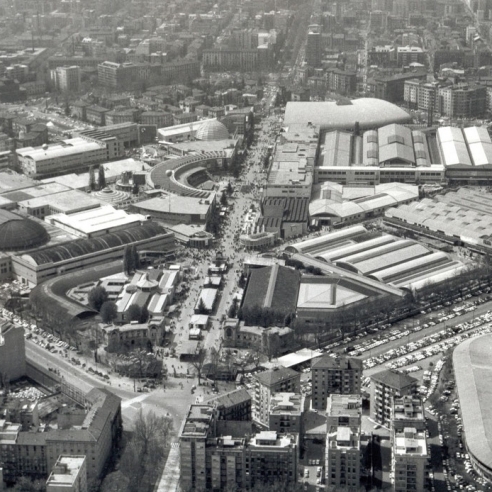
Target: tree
<point x="202" y="309"/>
<point x="150" y="438"/>
<point x="26" y="484"/>
<point x="134" y="312"/>
<point x="144" y="315"/>
<point x="128" y="260"/>
<point x="102" y="177"/>
<point x="108" y="312"/>
<point x="223" y="199"/>
<point x="92" y="179"/>
<point x="135" y="257"/>
<point x="198" y="362"/>
<point x="135" y="189"/>
<point x="230" y="189"/>
<point x="97" y="297"/>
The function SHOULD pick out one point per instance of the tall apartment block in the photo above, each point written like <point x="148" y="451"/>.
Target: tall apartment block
<point x="12" y="351"/>
<point x="66" y="79"/>
<point x="343" y="455"/>
<point x="198" y="426"/>
<point x="268" y="383"/>
<point x="409" y="444"/>
<point x="341" y="375"/>
<point x="313" y="46"/>
<point x="385" y="386"/>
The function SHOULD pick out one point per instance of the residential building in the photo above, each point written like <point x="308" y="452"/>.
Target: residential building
<point x="409" y="444"/>
<point x="406" y="55"/>
<point x="463" y="100"/>
<point x="266" y="384"/>
<point x="198" y="426"/>
<point x="285" y="415"/>
<point x="343" y="452"/>
<point x="231" y="59"/>
<point x="12" y="350"/>
<point x="313" y="46"/>
<point x="234" y="405"/>
<point x="66" y="79"/>
<point x="385" y="386"/>
<point x="94" y="432"/>
<point x="243" y="462"/>
<point x="123" y="76"/>
<point x="409" y="460"/>
<point x="68" y="475"/>
<point x="391" y="88"/>
<point x="340" y="375"/>
<point x="342" y="81"/>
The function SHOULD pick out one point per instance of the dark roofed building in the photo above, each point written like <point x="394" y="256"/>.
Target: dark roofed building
<point x="340" y="375"/>
<point x="235" y="405"/>
<point x="273" y="287"/>
<point x="286" y="216"/>
<point x="386" y="385"/>
<point x="268" y="383"/>
<point x="17" y="232"/>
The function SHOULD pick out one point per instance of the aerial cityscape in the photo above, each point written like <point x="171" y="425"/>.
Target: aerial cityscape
<point x="245" y="246"/>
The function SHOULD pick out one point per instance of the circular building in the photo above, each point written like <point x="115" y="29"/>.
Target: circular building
<point x="328" y="115"/>
<point x="212" y="130"/>
<point x="17" y="232"/>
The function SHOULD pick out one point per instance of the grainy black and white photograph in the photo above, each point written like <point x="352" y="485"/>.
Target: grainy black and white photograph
<point x="245" y="246"/>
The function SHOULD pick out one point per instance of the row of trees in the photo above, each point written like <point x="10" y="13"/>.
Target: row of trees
<point x="261" y="316"/>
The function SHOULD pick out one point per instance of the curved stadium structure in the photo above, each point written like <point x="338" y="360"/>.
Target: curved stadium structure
<point x="472" y="364"/>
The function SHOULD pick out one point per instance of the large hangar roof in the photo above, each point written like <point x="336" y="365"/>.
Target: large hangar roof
<point x="369" y="112"/>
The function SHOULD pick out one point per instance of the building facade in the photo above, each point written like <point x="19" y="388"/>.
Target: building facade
<point x="341" y="375"/>
<point x="343" y="452"/>
<point x="266" y="384"/>
<point x="385" y="386"/>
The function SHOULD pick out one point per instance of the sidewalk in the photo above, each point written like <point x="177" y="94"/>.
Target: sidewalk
<point x="170" y="476"/>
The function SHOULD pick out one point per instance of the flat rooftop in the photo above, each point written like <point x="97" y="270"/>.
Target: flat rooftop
<point x="65" y="202"/>
<point x="65" y="471"/>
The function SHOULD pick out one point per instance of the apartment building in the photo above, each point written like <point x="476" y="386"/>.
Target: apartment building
<point x="12" y="350"/>
<point x="243" y="462"/>
<point x="409" y="444"/>
<point x="341" y="375"/>
<point x="123" y="76"/>
<point x="285" y="414"/>
<point x="343" y="454"/>
<point x="231" y="59"/>
<point x="266" y="384"/>
<point x="66" y="79"/>
<point x="94" y="433"/>
<point x="198" y="426"/>
<point x="234" y="405"/>
<point x="385" y="386"/>
<point x="463" y="100"/>
<point x="68" y="475"/>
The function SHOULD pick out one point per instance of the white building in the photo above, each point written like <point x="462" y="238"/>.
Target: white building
<point x="66" y="79"/>
<point x="68" y="475"/>
<point x="68" y="155"/>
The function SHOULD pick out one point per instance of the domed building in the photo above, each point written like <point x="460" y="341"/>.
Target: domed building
<point x="18" y="233"/>
<point x="212" y="130"/>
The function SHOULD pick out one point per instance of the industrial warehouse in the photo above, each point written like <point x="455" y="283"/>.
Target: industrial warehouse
<point x="463" y="216"/>
<point x="401" y="263"/>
